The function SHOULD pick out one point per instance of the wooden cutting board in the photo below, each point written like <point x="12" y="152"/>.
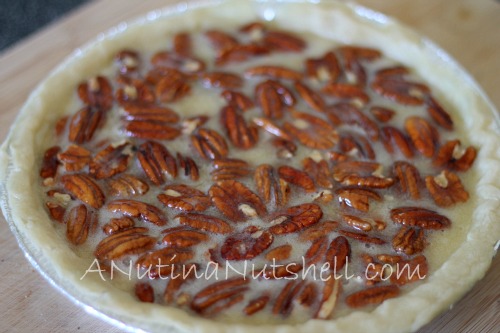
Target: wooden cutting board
<point x="467" y="29"/>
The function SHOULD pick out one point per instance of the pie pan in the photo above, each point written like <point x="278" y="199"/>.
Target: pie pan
<point x="49" y="253"/>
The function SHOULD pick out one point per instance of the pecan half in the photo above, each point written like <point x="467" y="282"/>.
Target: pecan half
<point x="238" y="99"/>
<point x="246" y="245"/>
<point x="316" y="251"/>
<point x="144" y="292"/>
<point x="84" y="188"/>
<point x="270" y="187"/>
<point x="218" y="293"/>
<point x="446" y="189"/>
<point x="452" y="156"/>
<point x="161" y="263"/>
<point x="127" y="60"/>
<point x="118" y="224"/>
<point x="362" y="237"/>
<point x="356" y="145"/>
<point x="408" y="178"/>
<point x="236" y="201"/>
<point x="189" y="165"/>
<point x="412" y="270"/>
<point x="422" y="134"/>
<point x="401" y="91"/>
<point x="205" y="223"/>
<point x="126" y="186"/>
<point x="220" y="40"/>
<point x="150" y="113"/>
<point x="173" y="60"/>
<point x="346" y="91"/>
<point x="144" y="211"/>
<point x="323" y="69"/>
<point x="126" y="242"/>
<point x="183" y="237"/>
<point x="229" y="169"/>
<point x="318" y="230"/>
<point x="283" y="41"/>
<point x="311" y="97"/>
<point x="393" y="138"/>
<point x="74" y="158"/>
<point x="295" y="218"/>
<point x="329" y="297"/>
<point x="151" y="130"/>
<point x="273" y="97"/>
<point x="255" y="305"/>
<point x="241" y="134"/>
<point x="372" y="296"/>
<point x="311" y="131"/>
<point x="438" y="114"/>
<point x="382" y="114"/>
<point x="409" y="240"/>
<point x="50" y="162"/>
<point x="358" y="173"/>
<point x="83" y="124"/>
<point x="156" y="161"/>
<point x="240" y="53"/>
<point x="110" y="161"/>
<point x="345" y="113"/>
<point x="279" y="253"/>
<point x="223" y="80"/>
<point x="209" y="144"/>
<point x="96" y="92"/>
<point x="78" y="224"/>
<point x="338" y="253"/>
<point x="182" y="44"/>
<point x="319" y="171"/>
<point x="275" y="72"/>
<point x="357" y="198"/>
<point x="297" y="177"/>
<point x="185" y="198"/>
<point x="272" y="128"/>
<point x="419" y="217"/>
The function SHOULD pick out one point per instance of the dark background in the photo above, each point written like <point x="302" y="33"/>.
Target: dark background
<point x="19" y="18"/>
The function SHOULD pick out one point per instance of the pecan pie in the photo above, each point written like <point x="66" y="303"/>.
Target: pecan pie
<point x="247" y="166"/>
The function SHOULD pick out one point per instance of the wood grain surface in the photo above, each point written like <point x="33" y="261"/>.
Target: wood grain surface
<point x="467" y="29"/>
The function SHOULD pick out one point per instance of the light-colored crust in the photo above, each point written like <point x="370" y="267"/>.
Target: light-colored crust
<point x="29" y="136"/>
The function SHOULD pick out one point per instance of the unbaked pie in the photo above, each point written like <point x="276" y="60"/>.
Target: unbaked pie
<point x="246" y="166"/>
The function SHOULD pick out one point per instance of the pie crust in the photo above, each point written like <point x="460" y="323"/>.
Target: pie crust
<point x="30" y="135"/>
